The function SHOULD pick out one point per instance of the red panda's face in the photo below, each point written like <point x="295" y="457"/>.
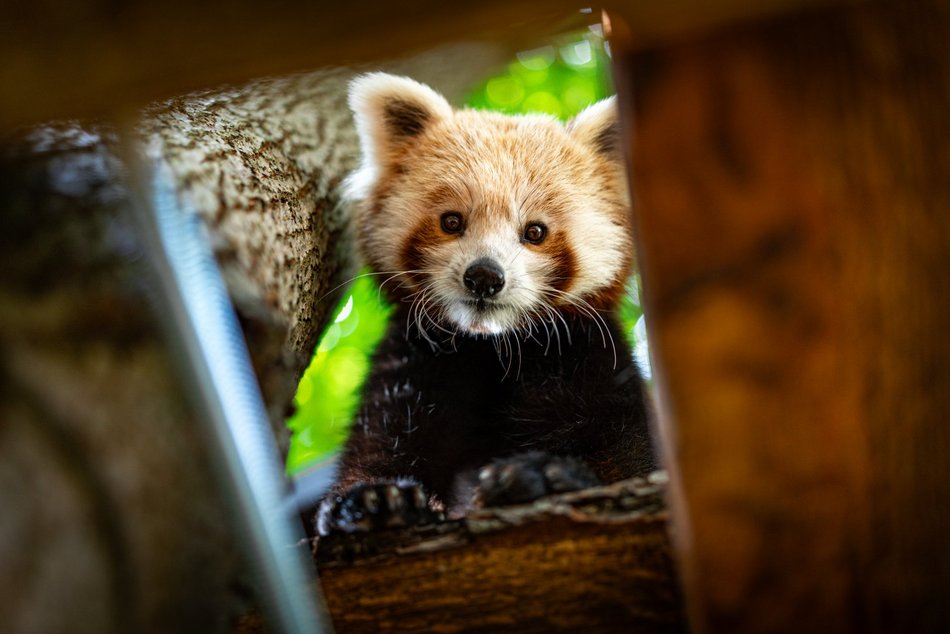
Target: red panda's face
<point x="488" y="223"/>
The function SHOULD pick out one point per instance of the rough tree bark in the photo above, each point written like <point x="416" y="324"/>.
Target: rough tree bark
<point x="111" y="516"/>
<point x="597" y="560"/>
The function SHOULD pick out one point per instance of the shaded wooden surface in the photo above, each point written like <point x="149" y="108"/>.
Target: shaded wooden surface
<point x="592" y="561"/>
<point x="792" y="199"/>
<point x="91" y="56"/>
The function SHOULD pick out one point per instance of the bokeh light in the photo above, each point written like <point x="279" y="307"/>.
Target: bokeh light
<point x="579" y="53"/>
<point x="543" y="101"/>
<point x="537" y="59"/>
<point x="505" y="92"/>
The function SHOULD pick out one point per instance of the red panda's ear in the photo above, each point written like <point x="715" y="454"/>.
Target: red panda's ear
<point x="390" y="110"/>
<point x="598" y="127"/>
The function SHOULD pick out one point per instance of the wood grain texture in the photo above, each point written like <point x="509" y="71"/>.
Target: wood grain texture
<point x="791" y="200"/>
<point x="592" y="561"/>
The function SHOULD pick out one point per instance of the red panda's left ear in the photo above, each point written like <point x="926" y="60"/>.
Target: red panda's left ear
<point x="598" y="127"/>
<point x="390" y="110"/>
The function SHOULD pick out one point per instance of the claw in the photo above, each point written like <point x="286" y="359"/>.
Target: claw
<point x="371" y="501"/>
<point x="419" y="498"/>
<point x="507" y="475"/>
<point x="394" y="500"/>
<point x="369" y="506"/>
<point x="526" y="477"/>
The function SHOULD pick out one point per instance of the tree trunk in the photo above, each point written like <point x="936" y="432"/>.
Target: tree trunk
<point x="112" y="516"/>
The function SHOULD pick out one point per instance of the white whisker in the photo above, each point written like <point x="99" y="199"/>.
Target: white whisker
<point x="585" y="308"/>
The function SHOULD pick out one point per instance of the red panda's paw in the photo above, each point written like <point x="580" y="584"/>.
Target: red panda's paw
<point x="376" y="505"/>
<point x="529" y="476"/>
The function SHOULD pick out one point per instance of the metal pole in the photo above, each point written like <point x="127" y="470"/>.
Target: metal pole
<point x="215" y="354"/>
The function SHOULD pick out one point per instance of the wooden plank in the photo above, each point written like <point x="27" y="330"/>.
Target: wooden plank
<point x="792" y="190"/>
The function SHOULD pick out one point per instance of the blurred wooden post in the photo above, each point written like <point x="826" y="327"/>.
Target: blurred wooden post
<point x="792" y="185"/>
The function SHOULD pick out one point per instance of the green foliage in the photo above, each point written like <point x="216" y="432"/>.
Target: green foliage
<point x="561" y="80"/>
<point x="328" y="393"/>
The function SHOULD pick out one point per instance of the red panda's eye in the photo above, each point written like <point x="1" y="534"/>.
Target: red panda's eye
<point x="535" y="232"/>
<point x="452" y="222"/>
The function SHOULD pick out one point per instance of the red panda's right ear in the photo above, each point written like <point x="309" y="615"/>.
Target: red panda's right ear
<point x="390" y="110"/>
<point x="598" y="127"/>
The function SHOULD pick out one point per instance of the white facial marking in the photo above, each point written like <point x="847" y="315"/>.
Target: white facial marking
<point x="498" y="313"/>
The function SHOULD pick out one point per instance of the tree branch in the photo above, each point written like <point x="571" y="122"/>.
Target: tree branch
<point x="593" y="560"/>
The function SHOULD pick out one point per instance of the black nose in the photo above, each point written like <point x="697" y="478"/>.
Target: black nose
<point x="484" y="278"/>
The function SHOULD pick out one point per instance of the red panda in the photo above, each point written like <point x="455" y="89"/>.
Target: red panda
<point x="505" y="243"/>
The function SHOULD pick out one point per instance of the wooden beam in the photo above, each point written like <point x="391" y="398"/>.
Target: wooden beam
<point x="91" y="58"/>
<point x="97" y="57"/>
<point x="791" y="198"/>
